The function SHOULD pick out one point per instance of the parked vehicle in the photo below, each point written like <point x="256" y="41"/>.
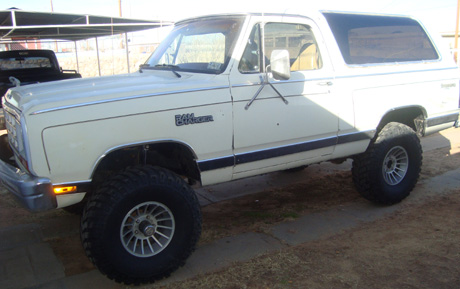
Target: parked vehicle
<point x="23" y="67"/>
<point x="226" y="97"/>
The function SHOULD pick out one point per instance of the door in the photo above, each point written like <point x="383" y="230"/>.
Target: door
<point x="282" y="123"/>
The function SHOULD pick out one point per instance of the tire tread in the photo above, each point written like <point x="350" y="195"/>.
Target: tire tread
<point x="366" y="167"/>
<point x="102" y="202"/>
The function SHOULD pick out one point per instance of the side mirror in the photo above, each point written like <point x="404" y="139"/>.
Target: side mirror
<point x="279" y="62"/>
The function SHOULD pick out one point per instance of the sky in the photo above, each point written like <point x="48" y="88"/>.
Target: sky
<point x="439" y="15"/>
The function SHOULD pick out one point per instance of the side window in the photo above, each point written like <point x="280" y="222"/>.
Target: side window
<point x="298" y="40"/>
<point x="250" y="61"/>
<point x="366" y="39"/>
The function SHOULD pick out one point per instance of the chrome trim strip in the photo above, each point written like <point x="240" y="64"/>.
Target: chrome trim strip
<point x="369" y="131"/>
<point x="126" y="98"/>
<point x="12" y="110"/>
<point x="443" y="119"/>
<point x="242" y="85"/>
<point x="76" y="183"/>
<point x="380" y="64"/>
<point x="395" y="72"/>
<point x="245" y="85"/>
<point x="303" y="80"/>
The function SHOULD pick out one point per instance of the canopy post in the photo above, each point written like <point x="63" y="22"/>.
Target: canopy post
<point x="127" y="50"/>
<point x="98" y="60"/>
<point x="456" y="33"/>
<point x="76" y="56"/>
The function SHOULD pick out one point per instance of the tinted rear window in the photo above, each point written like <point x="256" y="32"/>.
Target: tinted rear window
<point x="27" y="62"/>
<point x="366" y="39"/>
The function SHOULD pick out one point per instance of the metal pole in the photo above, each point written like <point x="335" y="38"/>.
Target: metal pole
<point x="98" y="60"/>
<point x="76" y="56"/>
<point x="127" y="50"/>
<point x="456" y="31"/>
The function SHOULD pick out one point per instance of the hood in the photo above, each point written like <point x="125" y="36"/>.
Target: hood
<point x="44" y="96"/>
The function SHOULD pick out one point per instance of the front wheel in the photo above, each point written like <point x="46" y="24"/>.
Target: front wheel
<point x="141" y="225"/>
<point x="388" y="171"/>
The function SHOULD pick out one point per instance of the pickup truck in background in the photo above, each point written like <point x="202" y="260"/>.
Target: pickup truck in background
<point x="23" y="67"/>
<point x="226" y="97"/>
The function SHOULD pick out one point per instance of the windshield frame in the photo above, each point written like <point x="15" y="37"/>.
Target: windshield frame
<point x="229" y="26"/>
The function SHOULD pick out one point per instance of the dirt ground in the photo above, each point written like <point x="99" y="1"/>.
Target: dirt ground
<point x="418" y="247"/>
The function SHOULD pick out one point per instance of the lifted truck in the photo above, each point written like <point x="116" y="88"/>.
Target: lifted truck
<point x="226" y="97"/>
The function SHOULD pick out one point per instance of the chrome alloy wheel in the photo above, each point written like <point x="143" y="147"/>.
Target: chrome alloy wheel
<point x="147" y="229"/>
<point x="395" y="165"/>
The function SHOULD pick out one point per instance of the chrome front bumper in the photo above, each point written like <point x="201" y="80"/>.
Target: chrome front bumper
<point x="35" y="193"/>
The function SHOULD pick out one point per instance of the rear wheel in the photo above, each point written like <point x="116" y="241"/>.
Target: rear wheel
<point x="141" y="226"/>
<point x="388" y="171"/>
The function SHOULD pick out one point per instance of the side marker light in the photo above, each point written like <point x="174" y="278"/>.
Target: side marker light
<point x="64" y="190"/>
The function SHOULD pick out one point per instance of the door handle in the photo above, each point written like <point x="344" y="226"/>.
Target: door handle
<point x="325" y="83"/>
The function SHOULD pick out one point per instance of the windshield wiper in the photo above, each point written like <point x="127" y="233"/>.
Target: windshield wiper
<point x="170" y="66"/>
<point x="142" y="66"/>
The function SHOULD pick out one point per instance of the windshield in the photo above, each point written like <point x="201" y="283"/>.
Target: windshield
<point x="202" y="46"/>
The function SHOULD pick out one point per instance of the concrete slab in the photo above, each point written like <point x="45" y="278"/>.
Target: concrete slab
<point x="19" y="236"/>
<point x="328" y="223"/>
<point x="45" y="265"/>
<point x="367" y="212"/>
<point x="325" y="224"/>
<point x="444" y="184"/>
<point x="224" y="252"/>
<point x="92" y="279"/>
<point x="52" y="285"/>
<point x="438" y="140"/>
<point x="15" y="269"/>
<point x="27" y="266"/>
<point x="313" y="227"/>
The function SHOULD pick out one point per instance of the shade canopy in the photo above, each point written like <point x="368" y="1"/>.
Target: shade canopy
<point x="20" y="24"/>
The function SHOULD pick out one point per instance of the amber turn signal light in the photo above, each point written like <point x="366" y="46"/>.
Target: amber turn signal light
<point x="64" y="190"/>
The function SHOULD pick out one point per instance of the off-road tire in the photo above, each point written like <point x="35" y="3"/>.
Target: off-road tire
<point x="125" y="196"/>
<point x="369" y="169"/>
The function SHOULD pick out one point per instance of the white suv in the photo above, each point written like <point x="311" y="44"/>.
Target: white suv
<point x="226" y="97"/>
